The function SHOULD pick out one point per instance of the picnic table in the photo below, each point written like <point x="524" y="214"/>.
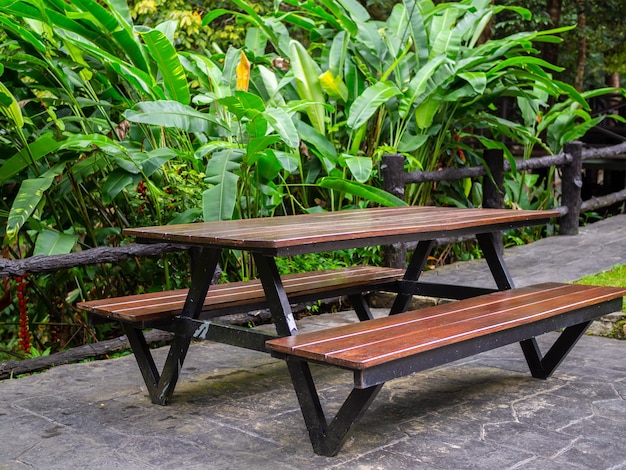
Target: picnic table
<point x="376" y="350"/>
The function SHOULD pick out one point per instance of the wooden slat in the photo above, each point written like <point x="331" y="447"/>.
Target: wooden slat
<point x="362" y="345"/>
<point x="332" y="227"/>
<point x="156" y="305"/>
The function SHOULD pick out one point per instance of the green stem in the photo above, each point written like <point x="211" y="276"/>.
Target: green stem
<point x="82" y="207"/>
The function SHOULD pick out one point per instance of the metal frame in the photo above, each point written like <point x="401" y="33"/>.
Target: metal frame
<point x="328" y="438"/>
<point x="410" y="286"/>
<point x="204" y="262"/>
<point x="161" y="386"/>
<point x="187" y="326"/>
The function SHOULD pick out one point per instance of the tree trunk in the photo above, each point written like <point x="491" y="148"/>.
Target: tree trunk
<point x="613" y="80"/>
<point x="551" y="50"/>
<point x="582" y="46"/>
<point x="614" y="99"/>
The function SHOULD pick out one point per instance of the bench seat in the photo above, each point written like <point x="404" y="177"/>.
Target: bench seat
<point x="162" y="310"/>
<point x="386" y="348"/>
<point x="238" y="296"/>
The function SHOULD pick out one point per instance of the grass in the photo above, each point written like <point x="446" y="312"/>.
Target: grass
<point x="616" y="277"/>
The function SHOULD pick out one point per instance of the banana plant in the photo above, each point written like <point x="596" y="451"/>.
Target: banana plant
<point x="422" y="82"/>
<point x="245" y="154"/>
<point x="84" y="62"/>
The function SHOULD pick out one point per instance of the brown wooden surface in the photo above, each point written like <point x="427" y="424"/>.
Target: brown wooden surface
<point x="354" y="228"/>
<point x="157" y="305"/>
<point x="362" y="345"/>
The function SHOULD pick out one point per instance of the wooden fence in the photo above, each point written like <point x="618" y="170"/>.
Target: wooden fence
<point x="395" y="179"/>
<point x="103" y="254"/>
<point x="570" y="161"/>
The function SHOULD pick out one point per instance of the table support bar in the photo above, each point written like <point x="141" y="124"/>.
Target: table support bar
<point x="415" y="268"/>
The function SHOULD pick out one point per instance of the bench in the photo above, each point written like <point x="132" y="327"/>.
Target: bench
<point x="379" y="350"/>
<point x="162" y="310"/>
<point x="147" y="310"/>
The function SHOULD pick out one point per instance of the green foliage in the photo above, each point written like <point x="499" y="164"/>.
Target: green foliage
<point x="118" y="115"/>
<point x="604" y="31"/>
<point x="369" y="256"/>
<point x="191" y="33"/>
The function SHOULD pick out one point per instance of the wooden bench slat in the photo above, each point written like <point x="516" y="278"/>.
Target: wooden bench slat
<point x="443" y="313"/>
<point x="442" y="310"/>
<point x="144" y="307"/>
<point x="363" y="345"/>
<point x="380" y="350"/>
<point x="486" y="322"/>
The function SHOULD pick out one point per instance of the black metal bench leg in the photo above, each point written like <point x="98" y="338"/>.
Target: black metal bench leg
<point x="542" y="367"/>
<point x="160" y="386"/>
<point x="413" y="271"/>
<point x="327" y="439"/>
<point x="360" y="306"/>
<point x="144" y="359"/>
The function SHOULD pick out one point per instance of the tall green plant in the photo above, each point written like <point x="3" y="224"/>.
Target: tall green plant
<point x="70" y="172"/>
<point x="77" y="66"/>
<point x="424" y="83"/>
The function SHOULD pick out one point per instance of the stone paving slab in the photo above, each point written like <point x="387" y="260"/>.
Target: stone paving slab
<point x="235" y="408"/>
<point x="598" y="247"/>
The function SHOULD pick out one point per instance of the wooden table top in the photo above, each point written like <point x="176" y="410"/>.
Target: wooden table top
<point x="308" y="233"/>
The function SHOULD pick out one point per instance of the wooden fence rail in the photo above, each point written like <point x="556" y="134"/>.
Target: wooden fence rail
<point x="570" y="161"/>
<point x="102" y="254"/>
<point x="395" y="178"/>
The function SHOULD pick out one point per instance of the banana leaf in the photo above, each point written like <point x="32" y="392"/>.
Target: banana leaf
<point x="171" y="114"/>
<point x="360" y="167"/>
<point x="51" y="242"/>
<point x="28" y="198"/>
<point x="364" y="191"/>
<point x="10" y="107"/>
<point x="368" y="103"/>
<point x="121" y="32"/>
<point x="172" y="72"/>
<point x="44" y="145"/>
<point x="282" y="123"/>
<point x="306" y="73"/>
<point x="219" y="201"/>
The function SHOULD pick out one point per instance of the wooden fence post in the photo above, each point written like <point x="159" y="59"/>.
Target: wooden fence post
<point x="392" y="170"/>
<point x="571" y="185"/>
<point x="493" y="191"/>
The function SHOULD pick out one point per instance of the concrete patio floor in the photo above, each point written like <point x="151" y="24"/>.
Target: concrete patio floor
<point x="236" y="409"/>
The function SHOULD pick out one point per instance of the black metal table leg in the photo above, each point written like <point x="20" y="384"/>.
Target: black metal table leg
<point x="489" y="244"/>
<point x="327" y="439"/>
<point x="415" y="268"/>
<point x="161" y="386"/>
<point x="275" y="295"/>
